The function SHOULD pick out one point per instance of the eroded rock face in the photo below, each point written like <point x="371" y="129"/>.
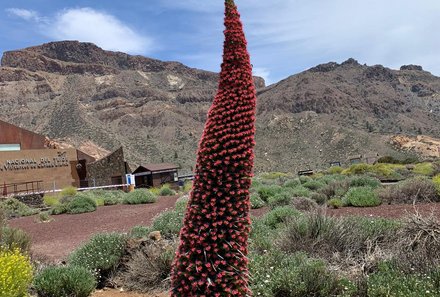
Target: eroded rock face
<point x="412" y="67"/>
<point x="79" y="94"/>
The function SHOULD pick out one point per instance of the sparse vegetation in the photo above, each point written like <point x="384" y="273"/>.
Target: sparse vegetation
<point x="139" y="196"/>
<point x="13" y="208"/>
<point x="15" y="273"/>
<point x="426" y="169"/>
<point x="169" y="223"/>
<point x="256" y="201"/>
<point x="100" y="254"/>
<point x="361" y="197"/>
<point x="335" y="203"/>
<point x="413" y="190"/>
<point x="165" y="190"/>
<point x="81" y="204"/>
<point x="64" y="281"/>
<point x="68" y="191"/>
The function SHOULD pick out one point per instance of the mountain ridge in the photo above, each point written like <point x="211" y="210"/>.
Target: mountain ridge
<point x="78" y="93"/>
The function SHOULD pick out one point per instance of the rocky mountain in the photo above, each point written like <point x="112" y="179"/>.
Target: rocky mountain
<point x="81" y="95"/>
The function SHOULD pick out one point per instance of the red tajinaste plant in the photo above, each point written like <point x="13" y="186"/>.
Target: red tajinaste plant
<point x="212" y="257"/>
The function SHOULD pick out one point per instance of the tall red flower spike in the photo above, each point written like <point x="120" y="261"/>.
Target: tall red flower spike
<point x="212" y="256"/>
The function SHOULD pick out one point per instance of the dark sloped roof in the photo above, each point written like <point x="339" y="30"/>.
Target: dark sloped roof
<point x="158" y="167"/>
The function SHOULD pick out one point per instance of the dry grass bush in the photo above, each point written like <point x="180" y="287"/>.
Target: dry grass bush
<point x="414" y="190"/>
<point x="304" y="204"/>
<point x="146" y="266"/>
<point x="418" y="243"/>
<point x="2" y="218"/>
<point x="352" y="244"/>
<point x="335" y="189"/>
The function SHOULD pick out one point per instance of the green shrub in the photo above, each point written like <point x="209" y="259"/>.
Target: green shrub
<point x="81" y="204"/>
<point x="389" y="281"/>
<point x="318" y="198"/>
<point x="303" y="179"/>
<point x="265" y="192"/>
<point x="273" y="175"/>
<point x="111" y="200"/>
<point x="169" y="223"/>
<point x="335" y="170"/>
<point x="262" y="236"/>
<point x="64" y="281"/>
<point x="299" y="191"/>
<point x="335" y="203"/>
<point x="365" y="181"/>
<point x="58" y="209"/>
<point x="436" y="181"/>
<point x="15" y="273"/>
<point x="335" y="188"/>
<point x="51" y="200"/>
<point x="329" y="178"/>
<point x="139" y="196"/>
<point x="140" y="231"/>
<point x="361" y="168"/>
<point x="256" y="201"/>
<point x="292" y="183"/>
<point x="100" y="254"/>
<point x="424" y="169"/>
<point x="279" y="216"/>
<point x="165" y="190"/>
<point x="281" y="199"/>
<point x="379" y="170"/>
<point x="277" y="274"/>
<point x="327" y="237"/>
<point x="417" y="189"/>
<point x="361" y="197"/>
<point x="187" y="186"/>
<point x="68" y="191"/>
<point x="154" y="191"/>
<point x="181" y="204"/>
<point x="44" y="217"/>
<point x="105" y="197"/>
<point x="313" y="185"/>
<point x="304" y="204"/>
<point x="66" y="199"/>
<point x="2" y="218"/>
<point x="14" y="208"/>
<point x="99" y="201"/>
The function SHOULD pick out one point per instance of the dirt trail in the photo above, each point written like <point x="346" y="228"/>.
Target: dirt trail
<point x="55" y="240"/>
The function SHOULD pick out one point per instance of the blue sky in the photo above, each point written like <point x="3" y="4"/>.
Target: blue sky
<point x="284" y="36"/>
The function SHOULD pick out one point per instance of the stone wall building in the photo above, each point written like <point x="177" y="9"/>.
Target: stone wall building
<point x="29" y="163"/>
<point x="110" y="170"/>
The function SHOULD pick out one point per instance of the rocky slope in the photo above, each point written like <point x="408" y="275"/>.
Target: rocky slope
<point x="79" y="94"/>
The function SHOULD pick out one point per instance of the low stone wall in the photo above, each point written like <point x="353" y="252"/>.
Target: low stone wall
<point x="34" y="200"/>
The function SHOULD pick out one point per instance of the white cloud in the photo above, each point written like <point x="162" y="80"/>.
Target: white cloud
<point x="89" y="25"/>
<point x="28" y="15"/>
<point x="287" y="36"/>
<point x="193" y="5"/>
<point x="105" y="30"/>
<point x="262" y="72"/>
<point x="302" y="33"/>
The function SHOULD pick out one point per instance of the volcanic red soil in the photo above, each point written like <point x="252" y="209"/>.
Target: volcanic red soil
<point x="55" y="240"/>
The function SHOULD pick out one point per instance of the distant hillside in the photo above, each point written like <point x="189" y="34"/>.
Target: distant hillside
<point x="79" y="94"/>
